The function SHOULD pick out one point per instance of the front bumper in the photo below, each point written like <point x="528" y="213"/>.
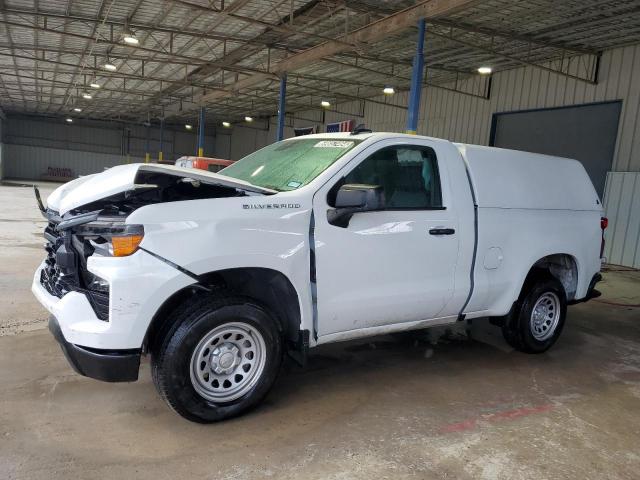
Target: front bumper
<point x="138" y="286"/>
<point x="108" y="366"/>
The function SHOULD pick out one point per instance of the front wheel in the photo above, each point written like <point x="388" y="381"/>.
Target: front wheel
<point x="219" y="360"/>
<point x="539" y="317"/>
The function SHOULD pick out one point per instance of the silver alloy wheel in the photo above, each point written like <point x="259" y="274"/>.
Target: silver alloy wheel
<point x="228" y="362"/>
<point x="545" y="316"/>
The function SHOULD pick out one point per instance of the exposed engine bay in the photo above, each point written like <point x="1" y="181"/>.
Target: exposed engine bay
<point x="153" y="187"/>
<point x="99" y="228"/>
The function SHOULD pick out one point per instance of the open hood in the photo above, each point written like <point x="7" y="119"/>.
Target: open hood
<point x="124" y="178"/>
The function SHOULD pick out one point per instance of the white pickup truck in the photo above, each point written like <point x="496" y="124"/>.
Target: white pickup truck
<point x="308" y="241"/>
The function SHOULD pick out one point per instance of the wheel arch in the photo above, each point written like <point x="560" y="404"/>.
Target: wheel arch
<point x="561" y="266"/>
<point x="269" y="287"/>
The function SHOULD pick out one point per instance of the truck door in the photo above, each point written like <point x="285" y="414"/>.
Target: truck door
<point x="390" y="266"/>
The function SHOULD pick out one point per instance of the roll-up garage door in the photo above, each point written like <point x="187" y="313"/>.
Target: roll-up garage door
<point x="584" y="132"/>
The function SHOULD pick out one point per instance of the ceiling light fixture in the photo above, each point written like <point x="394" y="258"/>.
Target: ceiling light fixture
<point x="188" y="127"/>
<point x="110" y="66"/>
<point x="388" y="90"/>
<point x="248" y="119"/>
<point x="77" y="109"/>
<point x="94" y="85"/>
<point x="325" y="104"/>
<point x="69" y="120"/>
<point x="130" y="39"/>
<point x="485" y="70"/>
<point x="226" y="124"/>
<point x="87" y="96"/>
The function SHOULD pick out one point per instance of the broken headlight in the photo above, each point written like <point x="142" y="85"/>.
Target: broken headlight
<point x="111" y="239"/>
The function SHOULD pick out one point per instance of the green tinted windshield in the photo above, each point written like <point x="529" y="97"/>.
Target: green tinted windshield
<point x="290" y="164"/>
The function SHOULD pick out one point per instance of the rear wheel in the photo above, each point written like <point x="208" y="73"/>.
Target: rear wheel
<point x="220" y="358"/>
<point x="539" y="317"/>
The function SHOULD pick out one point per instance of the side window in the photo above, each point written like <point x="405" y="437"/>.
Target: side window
<point x="407" y="174"/>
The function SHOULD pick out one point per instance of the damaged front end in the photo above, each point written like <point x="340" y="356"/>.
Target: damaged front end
<point x="69" y="244"/>
<point x="65" y="267"/>
<point x="90" y="219"/>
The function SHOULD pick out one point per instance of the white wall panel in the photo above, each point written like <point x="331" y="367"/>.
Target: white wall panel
<point x="103" y="137"/>
<point x="623" y="210"/>
<point x="1" y="147"/>
<point x="32" y="163"/>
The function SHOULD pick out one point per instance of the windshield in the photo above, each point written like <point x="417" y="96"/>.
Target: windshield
<point x="291" y="164"/>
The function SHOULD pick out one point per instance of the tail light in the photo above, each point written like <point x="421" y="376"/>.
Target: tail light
<point x="604" y="223"/>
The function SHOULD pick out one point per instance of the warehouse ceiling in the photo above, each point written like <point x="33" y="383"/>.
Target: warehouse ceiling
<point x="228" y="54"/>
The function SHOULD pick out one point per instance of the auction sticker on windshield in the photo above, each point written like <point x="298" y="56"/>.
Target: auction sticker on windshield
<point x="333" y="144"/>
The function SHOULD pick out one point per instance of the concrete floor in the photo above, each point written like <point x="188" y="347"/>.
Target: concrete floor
<point x="371" y="409"/>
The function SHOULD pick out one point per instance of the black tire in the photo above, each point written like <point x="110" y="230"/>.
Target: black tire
<point x="171" y="355"/>
<point x="518" y="330"/>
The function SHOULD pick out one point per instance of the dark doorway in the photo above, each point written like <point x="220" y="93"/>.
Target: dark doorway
<point x="584" y="132"/>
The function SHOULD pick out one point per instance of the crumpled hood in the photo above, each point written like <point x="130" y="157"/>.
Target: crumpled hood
<point x="88" y="189"/>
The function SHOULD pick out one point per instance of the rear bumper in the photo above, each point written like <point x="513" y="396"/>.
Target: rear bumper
<point x="108" y="366"/>
<point x="591" y="291"/>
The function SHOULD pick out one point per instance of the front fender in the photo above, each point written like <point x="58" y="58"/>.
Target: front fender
<point x="204" y="236"/>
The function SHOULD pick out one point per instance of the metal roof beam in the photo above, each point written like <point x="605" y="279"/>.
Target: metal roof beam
<point x="404" y="63"/>
<point x="78" y="52"/>
<point x="11" y="47"/>
<point x="143" y="93"/>
<point x="104" y="41"/>
<point x="442" y="85"/>
<point x="239" y="54"/>
<point x="510" y="35"/>
<point x="370" y="33"/>
<point x="106" y="74"/>
<point x="590" y="80"/>
<point x="283" y="27"/>
<point x="142" y="27"/>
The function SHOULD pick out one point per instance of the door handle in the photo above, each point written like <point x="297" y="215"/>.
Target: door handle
<point x="442" y="231"/>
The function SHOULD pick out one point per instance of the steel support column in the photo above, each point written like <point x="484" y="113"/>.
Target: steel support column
<point x="160" y="154"/>
<point x="147" y="155"/>
<point x="281" y="107"/>
<point x="416" y="81"/>
<point x="201" y="133"/>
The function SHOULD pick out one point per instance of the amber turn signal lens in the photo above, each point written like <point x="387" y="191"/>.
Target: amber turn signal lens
<point x="125" y="245"/>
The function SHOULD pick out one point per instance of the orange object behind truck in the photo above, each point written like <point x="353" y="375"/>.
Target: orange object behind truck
<point x="203" y="163"/>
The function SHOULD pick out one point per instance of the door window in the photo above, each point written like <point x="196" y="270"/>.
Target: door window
<point x="408" y="175"/>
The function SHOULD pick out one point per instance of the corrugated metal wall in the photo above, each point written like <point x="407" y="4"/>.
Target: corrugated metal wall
<point x="1" y="145"/>
<point x="99" y="143"/>
<point x="622" y="203"/>
<point x="42" y="162"/>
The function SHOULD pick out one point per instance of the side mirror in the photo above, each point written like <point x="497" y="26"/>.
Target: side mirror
<point x="355" y="198"/>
